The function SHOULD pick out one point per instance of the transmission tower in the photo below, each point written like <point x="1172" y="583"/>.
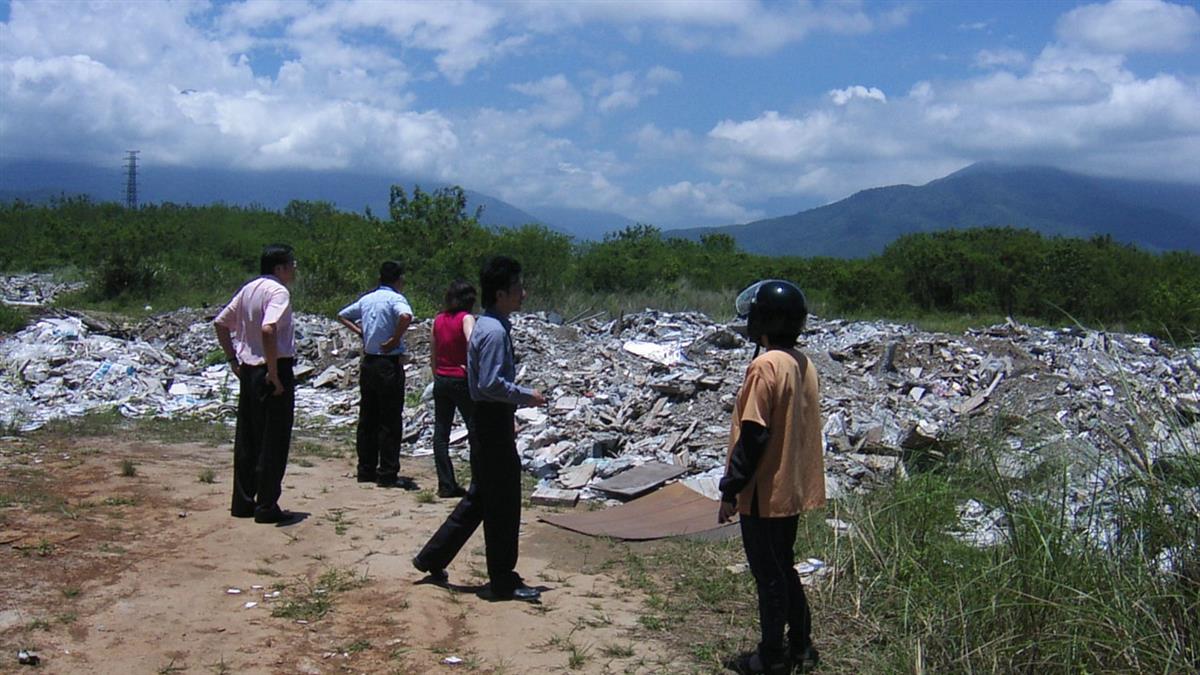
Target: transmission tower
<point x="131" y="199"/>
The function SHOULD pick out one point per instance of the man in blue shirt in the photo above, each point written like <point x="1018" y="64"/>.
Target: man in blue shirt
<point x="494" y="497"/>
<point x="380" y="318"/>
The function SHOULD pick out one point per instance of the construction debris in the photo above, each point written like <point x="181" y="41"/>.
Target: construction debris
<point x="34" y="290"/>
<point x="656" y="389"/>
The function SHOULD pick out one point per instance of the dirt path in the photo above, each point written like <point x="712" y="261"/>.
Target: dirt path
<point x="107" y="573"/>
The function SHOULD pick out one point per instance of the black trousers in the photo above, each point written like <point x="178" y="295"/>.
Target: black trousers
<point x="380" y="417"/>
<point x="262" y="439"/>
<point x="493" y="498"/>
<point x="781" y="601"/>
<point x="449" y="394"/>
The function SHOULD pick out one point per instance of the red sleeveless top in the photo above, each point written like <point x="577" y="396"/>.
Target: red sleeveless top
<point x="451" y="344"/>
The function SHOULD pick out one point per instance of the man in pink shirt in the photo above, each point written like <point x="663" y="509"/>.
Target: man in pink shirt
<point x="256" y="332"/>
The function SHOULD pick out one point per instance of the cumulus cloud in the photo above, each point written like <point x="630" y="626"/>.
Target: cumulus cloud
<point x="704" y="201"/>
<point x="1072" y="108"/>
<point x="1125" y="26"/>
<point x="844" y="96"/>
<point x="358" y="85"/>
<point x="148" y="75"/>
<point x="560" y="104"/>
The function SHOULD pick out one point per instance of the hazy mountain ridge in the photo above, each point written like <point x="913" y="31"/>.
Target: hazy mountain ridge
<point x="1157" y="216"/>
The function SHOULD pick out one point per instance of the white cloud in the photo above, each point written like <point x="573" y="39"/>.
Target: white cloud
<point x="655" y="142"/>
<point x="732" y="26"/>
<point x="1073" y="109"/>
<point x="1002" y="58"/>
<point x="1125" y="26"/>
<point x="844" y="96"/>
<point x="627" y="89"/>
<point x="776" y="138"/>
<point x="704" y="201"/>
<point x="561" y="103"/>
<point x="117" y="81"/>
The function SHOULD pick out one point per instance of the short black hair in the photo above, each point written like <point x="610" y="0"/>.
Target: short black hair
<point x="499" y="273"/>
<point x="785" y="340"/>
<point x="390" y="271"/>
<point x="460" y="297"/>
<point x="274" y="255"/>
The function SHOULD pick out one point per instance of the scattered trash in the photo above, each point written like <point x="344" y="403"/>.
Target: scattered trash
<point x="234" y="591"/>
<point x="250" y="605"/>
<point x="656" y="389"/>
<point x="28" y="658"/>
<point x="809" y="566"/>
<point x="452" y="660"/>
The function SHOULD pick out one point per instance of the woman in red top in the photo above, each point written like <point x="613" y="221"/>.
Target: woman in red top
<point x="448" y="359"/>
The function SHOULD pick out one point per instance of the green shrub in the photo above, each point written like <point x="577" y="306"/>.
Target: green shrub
<point x="12" y="319"/>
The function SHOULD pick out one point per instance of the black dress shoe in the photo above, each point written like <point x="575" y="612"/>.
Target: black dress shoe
<point x="805" y="660"/>
<point x="367" y="478"/>
<point x="438" y="574"/>
<point x="274" y="517"/>
<point x="242" y="514"/>
<point x="453" y="493"/>
<point x="401" y="483"/>
<point x="524" y="593"/>
<point x="751" y="663"/>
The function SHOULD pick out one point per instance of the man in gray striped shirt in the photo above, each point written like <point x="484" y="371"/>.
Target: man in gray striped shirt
<point x="494" y="497"/>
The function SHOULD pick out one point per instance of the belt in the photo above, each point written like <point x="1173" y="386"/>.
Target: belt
<point x="389" y="357"/>
<point x="282" y="361"/>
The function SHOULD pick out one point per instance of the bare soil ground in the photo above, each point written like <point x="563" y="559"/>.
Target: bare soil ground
<point x="105" y="572"/>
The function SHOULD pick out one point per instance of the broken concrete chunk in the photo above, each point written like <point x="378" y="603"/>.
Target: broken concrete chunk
<point x="640" y="480"/>
<point x="330" y="377"/>
<point x="919" y="435"/>
<point x="545" y="495"/>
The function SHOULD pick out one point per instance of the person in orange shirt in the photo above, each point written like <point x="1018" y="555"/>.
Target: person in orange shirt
<point x="775" y="470"/>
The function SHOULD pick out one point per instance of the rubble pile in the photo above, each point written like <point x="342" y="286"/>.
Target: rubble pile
<point x="655" y="388"/>
<point x="34" y="290"/>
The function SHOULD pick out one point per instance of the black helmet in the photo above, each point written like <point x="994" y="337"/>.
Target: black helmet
<point x="772" y="307"/>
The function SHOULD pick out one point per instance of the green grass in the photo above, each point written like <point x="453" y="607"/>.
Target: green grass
<point x="321" y="449"/>
<point x="12" y="319"/>
<point x="311" y="601"/>
<point x="109" y="422"/>
<point x="128" y="468"/>
<point x="207" y="476"/>
<point x="904" y="595"/>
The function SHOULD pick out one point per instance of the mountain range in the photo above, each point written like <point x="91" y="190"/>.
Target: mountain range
<point x="1153" y="215"/>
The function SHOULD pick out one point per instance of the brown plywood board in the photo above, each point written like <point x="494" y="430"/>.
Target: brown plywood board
<point x="672" y="511"/>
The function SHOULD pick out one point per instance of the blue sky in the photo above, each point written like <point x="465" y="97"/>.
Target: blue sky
<point x="671" y="113"/>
